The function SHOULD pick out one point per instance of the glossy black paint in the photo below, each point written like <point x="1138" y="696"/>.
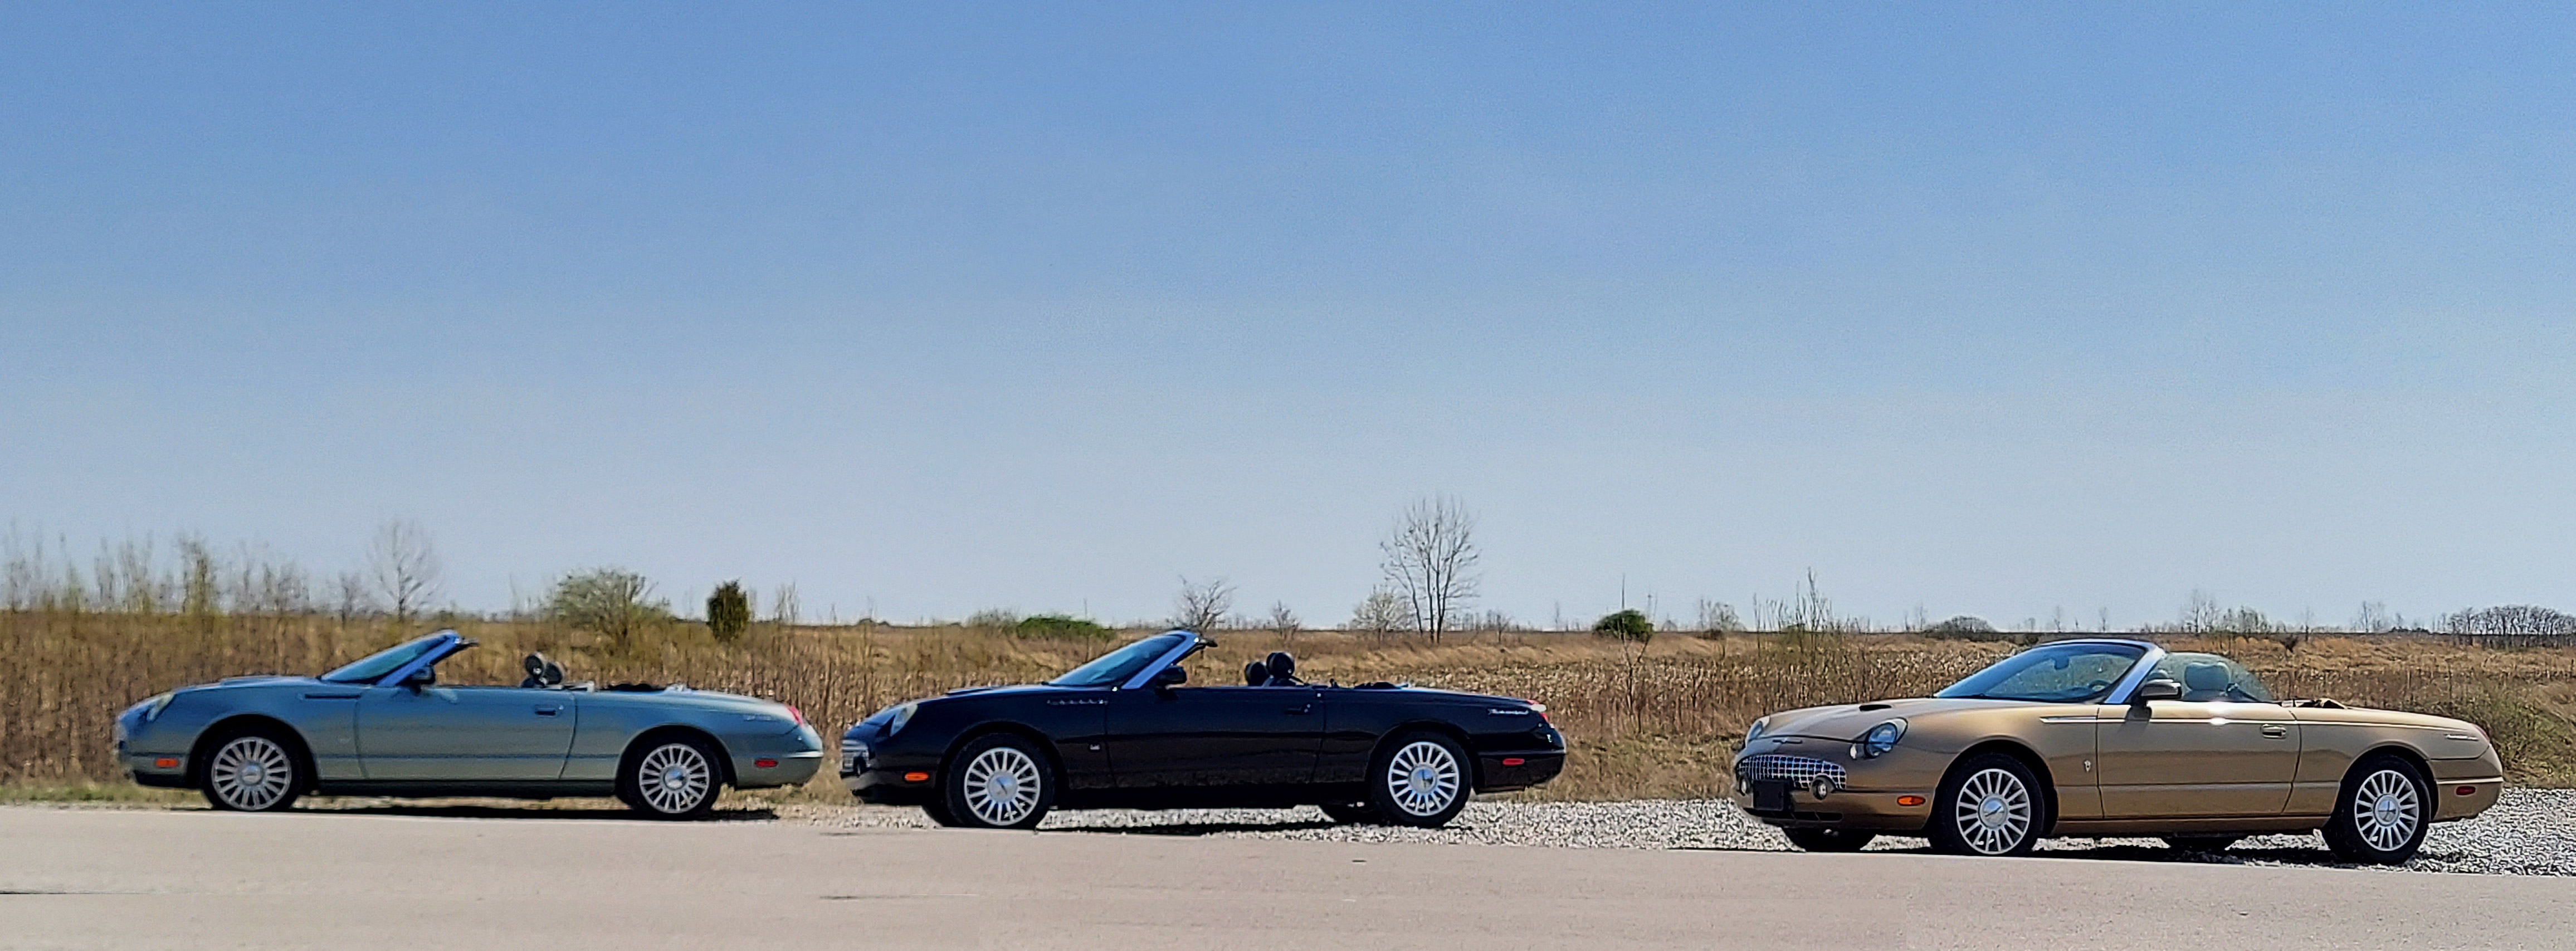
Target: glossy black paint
<point x="1207" y="746"/>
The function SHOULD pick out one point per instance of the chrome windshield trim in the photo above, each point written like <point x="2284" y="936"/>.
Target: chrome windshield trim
<point x="1189" y="645"/>
<point x="449" y="642"/>
<point x="2119" y="695"/>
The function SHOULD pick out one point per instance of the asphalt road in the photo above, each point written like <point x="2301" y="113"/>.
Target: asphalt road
<point x="80" y="878"/>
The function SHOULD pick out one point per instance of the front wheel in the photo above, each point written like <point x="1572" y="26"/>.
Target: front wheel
<point x="998" y="782"/>
<point x="1988" y="805"/>
<point x="1419" y="779"/>
<point x="253" y="771"/>
<point x="2380" y="816"/>
<point x="1829" y="840"/>
<point x="671" y="779"/>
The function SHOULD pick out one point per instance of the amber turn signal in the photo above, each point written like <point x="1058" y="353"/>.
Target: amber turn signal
<point x="166" y="763"/>
<point x="916" y="777"/>
<point x="1909" y="800"/>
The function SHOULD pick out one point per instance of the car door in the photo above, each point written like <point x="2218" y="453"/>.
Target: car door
<point x="2200" y="756"/>
<point x="435" y="734"/>
<point x="1183" y="737"/>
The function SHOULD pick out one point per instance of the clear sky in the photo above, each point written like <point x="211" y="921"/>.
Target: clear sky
<point x="1994" y="309"/>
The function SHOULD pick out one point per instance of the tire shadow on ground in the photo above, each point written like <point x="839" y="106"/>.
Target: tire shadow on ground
<point x="1193" y="829"/>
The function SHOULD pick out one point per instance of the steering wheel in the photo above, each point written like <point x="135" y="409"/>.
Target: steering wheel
<point x="2097" y="686"/>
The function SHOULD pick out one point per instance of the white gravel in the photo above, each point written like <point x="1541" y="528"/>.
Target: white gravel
<point x="2530" y="832"/>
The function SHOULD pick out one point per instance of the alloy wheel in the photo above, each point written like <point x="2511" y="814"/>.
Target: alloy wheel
<point x="251" y="773"/>
<point x="675" y="778"/>
<point x="2386" y="811"/>
<point x="1423" y="777"/>
<point x="1002" y="785"/>
<point x="1994" y="811"/>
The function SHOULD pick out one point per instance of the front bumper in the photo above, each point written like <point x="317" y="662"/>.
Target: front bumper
<point x="1780" y="785"/>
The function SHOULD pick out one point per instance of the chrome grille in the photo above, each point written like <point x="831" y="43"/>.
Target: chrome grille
<point x="853" y="755"/>
<point x="1798" y="770"/>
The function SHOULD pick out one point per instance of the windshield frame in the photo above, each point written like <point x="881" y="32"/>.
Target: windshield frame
<point x="408" y="651"/>
<point x="2119" y="691"/>
<point x="1178" y="644"/>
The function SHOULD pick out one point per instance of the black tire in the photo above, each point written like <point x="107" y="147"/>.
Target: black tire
<point x="671" y="777"/>
<point x="2382" y="812"/>
<point x="998" y="781"/>
<point x="1419" y="779"/>
<point x="1829" y="840"/>
<point x="2006" y="809"/>
<point x="1352" y="813"/>
<point x="253" y="769"/>
<point x="2202" y="843"/>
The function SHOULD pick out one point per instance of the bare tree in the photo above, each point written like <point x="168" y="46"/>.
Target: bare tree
<point x="1284" y="622"/>
<point x="784" y="605"/>
<point x="403" y="567"/>
<point x="1381" y="614"/>
<point x="1201" y="607"/>
<point x="1431" y="562"/>
<point x="354" y="598"/>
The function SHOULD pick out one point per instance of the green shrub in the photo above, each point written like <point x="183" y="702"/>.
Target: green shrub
<point x="1062" y="627"/>
<point x="1626" y="624"/>
<point x="729" y="611"/>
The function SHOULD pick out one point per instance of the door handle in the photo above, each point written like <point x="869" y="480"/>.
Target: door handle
<point x="548" y="711"/>
<point x="1302" y="710"/>
<point x="2275" y="731"/>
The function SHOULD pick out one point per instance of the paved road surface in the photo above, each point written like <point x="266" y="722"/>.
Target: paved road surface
<point x="189" y="879"/>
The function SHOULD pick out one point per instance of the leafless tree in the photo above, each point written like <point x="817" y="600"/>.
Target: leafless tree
<point x="1431" y="562"/>
<point x="784" y="605"/>
<point x="1201" y="607"/>
<point x="1381" y="614"/>
<point x="403" y="568"/>
<point x="354" y="599"/>
<point x="1283" y="622"/>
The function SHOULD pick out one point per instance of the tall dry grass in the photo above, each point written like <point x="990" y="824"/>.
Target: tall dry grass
<point x="1646" y="720"/>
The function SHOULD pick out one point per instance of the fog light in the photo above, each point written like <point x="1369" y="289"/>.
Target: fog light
<point x="1822" y="786"/>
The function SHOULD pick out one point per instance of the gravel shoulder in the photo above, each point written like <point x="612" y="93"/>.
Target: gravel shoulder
<point x="2529" y="832"/>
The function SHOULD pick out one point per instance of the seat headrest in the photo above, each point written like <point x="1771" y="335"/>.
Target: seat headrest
<point x="1255" y="674"/>
<point x="1281" y="665"/>
<point x="2198" y="677"/>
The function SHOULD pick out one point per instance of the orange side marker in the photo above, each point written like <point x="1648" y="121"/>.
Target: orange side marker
<point x="1909" y="800"/>
<point x="916" y="777"/>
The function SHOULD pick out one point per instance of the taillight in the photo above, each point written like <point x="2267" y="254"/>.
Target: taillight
<point x="798" y="714"/>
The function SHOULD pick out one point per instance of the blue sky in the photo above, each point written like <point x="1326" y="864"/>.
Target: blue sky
<point x="2000" y="309"/>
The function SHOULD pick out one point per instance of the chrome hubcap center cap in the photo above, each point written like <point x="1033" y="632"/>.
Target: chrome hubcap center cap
<point x="1422" y="779"/>
<point x="251" y="774"/>
<point x="2386" y="807"/>
<point x="675" y="777"/>
<point x="1990" y="811"/>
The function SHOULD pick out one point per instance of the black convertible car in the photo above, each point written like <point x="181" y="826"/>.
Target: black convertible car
<point x="1123" y="732"/>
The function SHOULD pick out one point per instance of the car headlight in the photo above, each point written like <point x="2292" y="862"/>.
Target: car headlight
<point x="1754" y="732"/>
<point x="1879" y="739"/>
<point x="902" y="715"/>
<point x="153" y="707"/>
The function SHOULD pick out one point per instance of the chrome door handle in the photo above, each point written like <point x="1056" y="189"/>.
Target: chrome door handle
<point x="1302" y="711"/>
<point x="2276" y="732"/>
<point x="548" y="711"/>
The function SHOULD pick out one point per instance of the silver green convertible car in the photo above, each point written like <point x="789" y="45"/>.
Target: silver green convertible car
<point x="385" y="726"/>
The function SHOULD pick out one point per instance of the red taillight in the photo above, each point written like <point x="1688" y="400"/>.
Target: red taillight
<point x="1513" y="761"/>
<point x="798" y="714"/>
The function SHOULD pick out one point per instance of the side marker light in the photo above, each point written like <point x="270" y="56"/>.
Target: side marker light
<point x="1513" y="761"/>
<point x="916" y="777"/>
<point x="2468" y="790"/>
<point x="1909" y="800"/>
<point x="172" y="763"/>
<point x="764" y="763"/>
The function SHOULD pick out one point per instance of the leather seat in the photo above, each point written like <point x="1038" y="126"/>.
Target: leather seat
<point x="2204" y="683"/>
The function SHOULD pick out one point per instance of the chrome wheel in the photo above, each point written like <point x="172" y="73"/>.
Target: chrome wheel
<point x="1002" y="786"/>
<point x="1994" y="811"/>
<point x="675" y="778"/>
<point x="1423" y="778"/>
<point x="251" y="773"/>
<point x="2386" y="810"/>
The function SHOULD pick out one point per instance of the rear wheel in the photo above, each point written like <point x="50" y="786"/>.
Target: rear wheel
<point x="1352" y="813"/>
<point x="254" y="770"/>
<point x="2382" y="813"/>
<point x="1829" y="840"/>
<point x="1419" y="779"/>
<point x="674" y="778"/>
<point x="1988" y="805"/>
<point x="998" y="782"/>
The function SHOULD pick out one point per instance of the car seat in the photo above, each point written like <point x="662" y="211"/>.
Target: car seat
<point x="2203" y="683"/>
<point x="1283" y="670"/>
<point x="541" y="672"/>
<point x="1256" y="674"/>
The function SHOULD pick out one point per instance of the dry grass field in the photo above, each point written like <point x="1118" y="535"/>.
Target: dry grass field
<point x="1647" y="721"/>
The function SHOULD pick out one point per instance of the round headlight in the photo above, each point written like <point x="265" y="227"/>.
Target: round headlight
<point x="1881" y="738"/>
<point x="1754" y="732"/>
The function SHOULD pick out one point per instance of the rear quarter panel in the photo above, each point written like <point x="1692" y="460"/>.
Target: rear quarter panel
<point x="607" y="723"/>
<point x="2331" y="740"/>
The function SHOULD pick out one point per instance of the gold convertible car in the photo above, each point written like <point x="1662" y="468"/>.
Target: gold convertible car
<point x="2112" y="738"/>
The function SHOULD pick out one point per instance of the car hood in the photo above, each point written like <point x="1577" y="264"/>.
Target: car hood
<point x="1850" y="720"/>
<point x="262" y="680"/>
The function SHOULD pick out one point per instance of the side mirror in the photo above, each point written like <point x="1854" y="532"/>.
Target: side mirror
<point x="1172" y="676"/>
<point x="2157" y="689"/>
<point x="418" y="679"/>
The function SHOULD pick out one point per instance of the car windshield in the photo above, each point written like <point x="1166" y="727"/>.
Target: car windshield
<point x="374" y="667"/>
<point x="1116" y="666"/>
<point x="2055" y="673"/>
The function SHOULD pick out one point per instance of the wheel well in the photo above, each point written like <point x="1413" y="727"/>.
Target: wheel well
<point x="241" y="723"/>
<point x="2423" y="770"/>
<point x="1046" y="748"/>
<point x="1475" y="764"/>
<point x="2030" y="760"/>
<point x="635" y="748"/>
